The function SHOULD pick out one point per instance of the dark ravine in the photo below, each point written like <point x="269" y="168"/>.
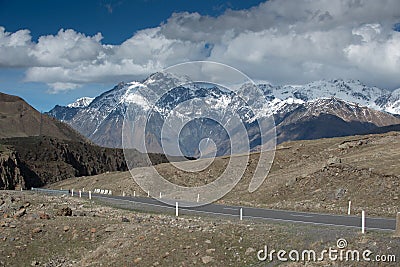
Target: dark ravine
<point x="36" y="161"/>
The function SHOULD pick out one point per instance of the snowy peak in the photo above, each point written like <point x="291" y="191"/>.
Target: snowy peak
<point x="345" y="103"/>
<point x="352" y="91"/>
<point x="81" y="102"/>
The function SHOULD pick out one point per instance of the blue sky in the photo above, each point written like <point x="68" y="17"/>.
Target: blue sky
<point x="116" y="20"/>
<point x="52" y="52"/>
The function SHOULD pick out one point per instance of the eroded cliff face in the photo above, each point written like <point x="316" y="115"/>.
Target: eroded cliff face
<point x="10" y="173"/>
<point x="37" y="161"/>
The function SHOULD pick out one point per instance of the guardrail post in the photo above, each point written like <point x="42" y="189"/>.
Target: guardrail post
<point x="363" y="222"/>
<point x="349" y="209"/>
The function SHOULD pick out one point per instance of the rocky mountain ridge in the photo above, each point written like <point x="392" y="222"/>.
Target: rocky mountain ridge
<point x="356" y="106"/>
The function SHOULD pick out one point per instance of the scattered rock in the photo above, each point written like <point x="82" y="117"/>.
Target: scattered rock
<point x="20" y="213"/>
<point x="125" y="219"/>
<point x="66" y="228"/>
<point x="137" y="260"/>
<point x="93" y="230"/>
<point x="27" y="204"/>
<point x="344" y="146"/>
<point x="207" y="259"/>
<point x="249" y="251"/>
<point x="210" y="250"/>
<point x="37" y="230"/>
<point x="208" y="241"/>
<point x="64" y="212"/>
<point x="44" y="216"/>
<point x="79" y="213"/>
<point x="109" y="229"/>
<point x="35" y="263"/>
<point x="340" y="192"/>
<point x="334" y="160"/>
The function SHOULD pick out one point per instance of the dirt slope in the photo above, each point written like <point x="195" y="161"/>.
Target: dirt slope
<point x="316" y="175"/>
<point x="19" y="119"/>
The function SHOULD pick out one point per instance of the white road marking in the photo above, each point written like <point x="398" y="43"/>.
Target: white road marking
<point x="301" y="215"/>
<point x="230" y="209"/>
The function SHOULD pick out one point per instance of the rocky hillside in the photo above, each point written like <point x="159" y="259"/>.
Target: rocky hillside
<point x="10" y="172"/>
<point x="330" y="117"/>
<point x="36" y="161"/>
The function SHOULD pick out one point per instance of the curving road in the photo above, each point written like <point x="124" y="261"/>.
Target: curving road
<point x="248" y="212"/>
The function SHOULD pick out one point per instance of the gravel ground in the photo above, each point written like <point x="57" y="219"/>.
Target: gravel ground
<point x="47" y="230"/>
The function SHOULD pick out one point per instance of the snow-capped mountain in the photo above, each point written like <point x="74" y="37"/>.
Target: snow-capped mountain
<point x="352" y="91"/>
<point x="81" y="102"/>
<point x="349" y="105"/>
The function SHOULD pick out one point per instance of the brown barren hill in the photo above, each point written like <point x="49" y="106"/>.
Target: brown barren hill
<point x="19" y="119"/>
<point x="313" y="175"/>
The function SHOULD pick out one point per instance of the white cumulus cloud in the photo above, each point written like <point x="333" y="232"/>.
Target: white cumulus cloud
<point x="283" y="41"/>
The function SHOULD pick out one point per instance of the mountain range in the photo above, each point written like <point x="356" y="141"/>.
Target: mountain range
<point x="316" y="110"/>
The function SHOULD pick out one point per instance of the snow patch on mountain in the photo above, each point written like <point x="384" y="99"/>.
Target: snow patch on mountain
<point x="81" y="102"/>
<point x="351" y="91"/>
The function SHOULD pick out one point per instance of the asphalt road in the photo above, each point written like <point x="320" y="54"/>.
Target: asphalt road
<point x="253" y="213"/>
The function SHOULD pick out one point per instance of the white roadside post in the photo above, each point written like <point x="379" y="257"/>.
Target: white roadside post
<point x="148" y="193"/>
<point x="176" y="209"/>
<point x="363" y="222"/>
<point x="80" y="193"/>
<point x="72" y="192"/>
<point x="349" y="209"/>
<point x="241" y="214"/>
<point x="123" y="193"/>
<point x="198" y="198"/>
<point x="90" y="194"/>
<point x="83" y="189"/>
<point x="160" y="195"/>
<point x="134" y="193"/>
